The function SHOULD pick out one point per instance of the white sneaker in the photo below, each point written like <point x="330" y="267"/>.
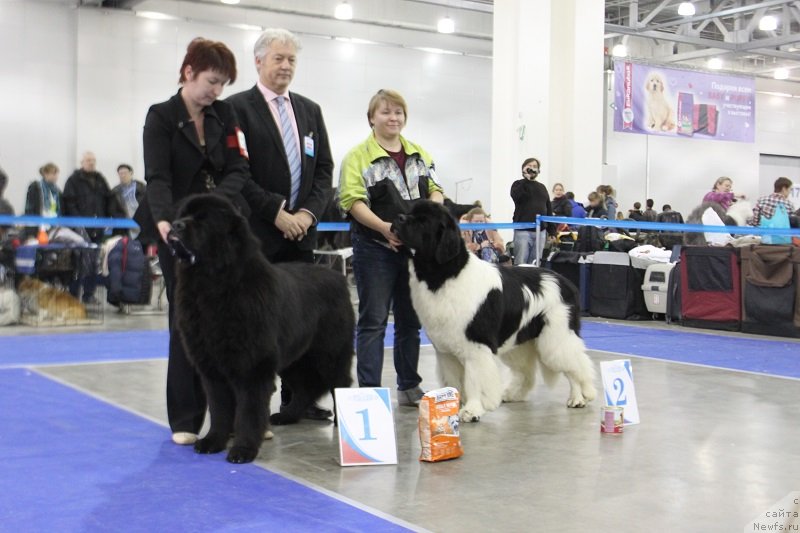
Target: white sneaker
<point x="184" y="438"/>
<point x="410" y="397"/>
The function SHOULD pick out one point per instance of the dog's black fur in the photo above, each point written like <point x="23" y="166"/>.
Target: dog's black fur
<point x="242" y="320"/>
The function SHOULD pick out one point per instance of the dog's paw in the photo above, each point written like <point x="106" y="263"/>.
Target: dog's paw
<point x="576" y="401"/>
<point x="210" y="444"/>
<point x="465" y="415"/>
<point x="280" y="419"/>
<point x="242" y="454"/>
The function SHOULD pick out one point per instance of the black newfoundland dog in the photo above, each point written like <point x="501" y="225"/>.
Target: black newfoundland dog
<point x="475" y="311"/>
<point x="242" y="320"/>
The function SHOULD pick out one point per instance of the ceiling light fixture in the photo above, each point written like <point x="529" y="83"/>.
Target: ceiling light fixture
<point x="230" y="2"/>
<point x="446" y="25"/>
<point x="686" y="9"/>
<point x="155" y="15"/>
<point x="781" y="74"/>
<point x="715" y="63"/>
<point x="768" y="23"/>
<point x="344" y="11"/>
<point x="619" y="50"/>
<point x="246" y="27"/>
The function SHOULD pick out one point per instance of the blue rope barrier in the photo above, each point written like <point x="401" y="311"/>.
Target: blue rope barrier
<point x="664" y="226"/>
<point x="71" y="222"/>
<point x="345" y="226"/>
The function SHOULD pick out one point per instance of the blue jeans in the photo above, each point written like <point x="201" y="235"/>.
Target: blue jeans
<point x="382" y="281"/>
<point x="525" y="246"/>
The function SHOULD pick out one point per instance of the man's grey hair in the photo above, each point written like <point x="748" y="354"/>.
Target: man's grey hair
<point x="271" y="35"/>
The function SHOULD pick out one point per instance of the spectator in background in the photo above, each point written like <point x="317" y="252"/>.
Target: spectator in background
<point x="87" y="194"/>
<point x="650" y="213"/>
<point x="560" y="203"/>
<point x="635" y="213"/>
<point x="766" y="205"/>
<point x="578" y="211"/>
<point x="722" y="193"/>
<point x="607" y="193"/>
<point x="128" y="194"/>
<point x="667" y="215"/>
<point x="620" y="216"/>
<point x="5" y="206"/>
<point x="487" y="243"/>
<point x="596" y="209"/>
<point x="44" y="198"/>
<point x="530" y="199"/>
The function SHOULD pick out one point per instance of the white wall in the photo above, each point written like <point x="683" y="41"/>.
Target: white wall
<point x="37" y="108"/>
<point x="82" y="79"/>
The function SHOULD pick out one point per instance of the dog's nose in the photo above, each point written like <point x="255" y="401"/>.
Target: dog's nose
<point x="179" y="225"/>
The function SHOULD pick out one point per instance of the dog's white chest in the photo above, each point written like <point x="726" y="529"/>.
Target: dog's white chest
<point x="446" y="313"/>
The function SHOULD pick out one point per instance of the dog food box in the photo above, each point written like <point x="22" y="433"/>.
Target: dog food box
<point x="438" y="425"/>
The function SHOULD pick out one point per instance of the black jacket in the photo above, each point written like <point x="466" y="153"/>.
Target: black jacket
<point x="177" y="166"/>
<point x="270" y="168"/>
<point x="86" y="194"/>
<point x="562" y="207"/>
<point x="530" y="199"/>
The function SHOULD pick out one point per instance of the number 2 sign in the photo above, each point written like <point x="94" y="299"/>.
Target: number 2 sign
<point x="366" y="427"/>
<point x="618" y="389"/>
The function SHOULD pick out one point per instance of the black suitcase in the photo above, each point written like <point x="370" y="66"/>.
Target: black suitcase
<point x="771" y="290"/>
<point x="619" y="295"/>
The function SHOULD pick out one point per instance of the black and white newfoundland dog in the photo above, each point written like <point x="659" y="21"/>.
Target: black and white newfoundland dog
<point x="473" y="311"/>
<point x="242" y="320"/>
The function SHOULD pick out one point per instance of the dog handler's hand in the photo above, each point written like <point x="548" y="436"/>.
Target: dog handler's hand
<point x="288" y="225"/>
<point x="306" y="221"/>
<point x="386" y="231"/>
<point x="164" y="228"/>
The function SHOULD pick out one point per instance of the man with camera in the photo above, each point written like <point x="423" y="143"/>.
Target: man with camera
<point x="530" y="199"/>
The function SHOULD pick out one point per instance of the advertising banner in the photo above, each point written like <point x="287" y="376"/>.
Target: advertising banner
<point x="655" y="100"/>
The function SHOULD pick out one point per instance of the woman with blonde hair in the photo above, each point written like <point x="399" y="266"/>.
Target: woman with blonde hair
<point x="722" y="193"/>
<point x="380" y="178"/>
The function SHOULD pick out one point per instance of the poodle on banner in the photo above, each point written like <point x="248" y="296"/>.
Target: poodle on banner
<point x="655" y="100"/>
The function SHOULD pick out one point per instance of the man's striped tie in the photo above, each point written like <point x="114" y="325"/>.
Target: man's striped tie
<point x="292" y="150"/>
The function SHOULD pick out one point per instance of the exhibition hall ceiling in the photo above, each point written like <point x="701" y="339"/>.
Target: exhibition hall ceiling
<point x="720" y="34"/>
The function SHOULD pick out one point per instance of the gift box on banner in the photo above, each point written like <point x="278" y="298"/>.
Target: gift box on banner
<point x="705" y="119"/>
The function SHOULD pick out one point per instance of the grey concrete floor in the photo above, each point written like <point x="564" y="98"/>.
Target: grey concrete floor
<point x="715" y="448"/>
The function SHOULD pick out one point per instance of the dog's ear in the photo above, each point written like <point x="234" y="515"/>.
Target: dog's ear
<point x="449" y="245"/>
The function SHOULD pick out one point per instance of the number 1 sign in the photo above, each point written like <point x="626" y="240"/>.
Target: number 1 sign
<point x="618" y="388"/>
<point x="366" y="427"/>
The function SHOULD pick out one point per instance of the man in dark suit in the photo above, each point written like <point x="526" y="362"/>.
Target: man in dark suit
<point x="290" y="158"/>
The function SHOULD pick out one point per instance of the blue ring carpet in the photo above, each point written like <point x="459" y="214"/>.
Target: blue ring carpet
<point x="762" y="356"/>
<point x="69" y="462"/>
<point x="769" y="355"/>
